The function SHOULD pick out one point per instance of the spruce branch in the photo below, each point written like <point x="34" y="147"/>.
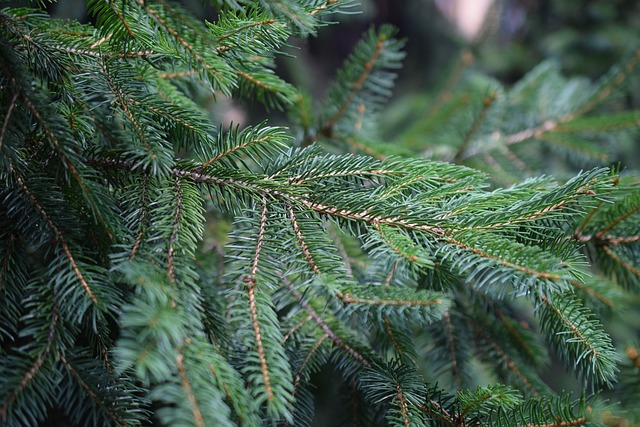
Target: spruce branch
<point x="108" y="402"/>
<point x="359" y="84"/>
<point x="301" y="242"/>
<point x="337" y="341"/>
<point x="251" y="281"/>
<point x="579" y="338"/>
<point x="142" y="218"/>
<point x="510" y="366"/>
<point x="305" y="362"/>
<point x="486" y="105"/>
<point x="173" y="237"/>
<point x="618" y="260"/>
<point x="59" y="237"/>
<point x="400" y="387"/>
<point x="452" y="350"/>
<point x="7" y="117"/>
<point x="14" y="392"/>
<point x="608" y="302"/>
<point x="186" y="385"/>
<point x="215" y="68"/>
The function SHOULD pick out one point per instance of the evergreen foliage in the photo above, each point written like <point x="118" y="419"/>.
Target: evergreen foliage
<point x="159" y="269"/>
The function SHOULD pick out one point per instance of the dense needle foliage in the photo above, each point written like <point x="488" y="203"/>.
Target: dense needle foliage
<point x="157" y="268"/>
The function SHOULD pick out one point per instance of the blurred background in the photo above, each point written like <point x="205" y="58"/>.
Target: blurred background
<point x="506" y="38"/>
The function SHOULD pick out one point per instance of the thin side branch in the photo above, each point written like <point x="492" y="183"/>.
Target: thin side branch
<point x="173" y="238"/>
<point x="403" y="406"/>
<point x="323" y="325"/>
<point x="251" y="282"/>
<point x="350" y="299"/>
<point x="186" y="386"/>
<point x="452" y="350"/>
<point x="620" y="261"/>
<point x="108" y="412"/>
<point x="509" y="363"/>
<point x="176" y="35"/>
<point x="143" y="217"/>
<point x="7" y="117"/>
<point x="35" y="367"/>
<point x="58" y="236"/>
<point x="356" y="87"/>
<point x="301" y="242"/>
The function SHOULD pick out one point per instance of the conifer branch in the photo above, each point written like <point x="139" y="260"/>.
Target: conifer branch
<point x="487" y="102"/>
<point x="35" y="367"/>
<point x="179" y="39"/>
<point x="105" y="116"/>
<point x="543" y="275"/>
<point x="392" y="337"/>
<point x="166" y="114"/>
<point x="620" y="261"/>
<point x="339" y="342"/>
<point x="257" y="82"/>
<point x="58" y="236"/>
<point x="589" y="217"/>
<point x="509" y="364"/>
<point x="310" y="176"/>
<point x="323" y="7"/>
<point x="606" y="89"/>
<point x="327" y="129"/>
<point x="350" y="299"/>
<point x="233" y="149"/>
<point x="301" y="242"/>
<point x="497" y="139"/>
<point x="7" y="116"/>
<point x="101" y="41"/>
<point x="571" y="423"/>
<point x="98" y="54"/>
<point x="584" y="190"/>
<point x="452" y="350"/>
<point x="341" y="249"/>
<point x="396" y="221"/>
<point x="177" y="75"/>
<point x="175" y="228"/>
<point x="143" y="216"/>
<point x="186" y="386"/>
<point x="403" y="406"/>
<point x="400" y="186"/>
<point x="591" y="292"/>
<point x="395" y="248"/>
<point x="294" y="328"/>
<point x="122" y="20"/>
<point x="123" y="102"/>
<point x="599" y="235"/>
<point x="369" y="218"/>
<point x="507" y="323"/>
<point x="251" y="285"/>
<point x="599" y="239"/>
<point x="580" y="338"/>
<point x="242" y="28"/>
<point x="51" y="136"/>
<point x="439" y="412"/>
<point x="108" y="412"/>
<point x="316" y="346"/>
